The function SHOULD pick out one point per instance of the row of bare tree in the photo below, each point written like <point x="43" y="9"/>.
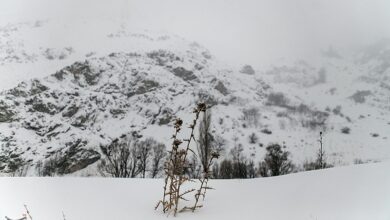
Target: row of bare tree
<point x="128" y="158"/>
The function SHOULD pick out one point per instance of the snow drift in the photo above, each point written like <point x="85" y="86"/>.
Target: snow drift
<point x="354" y="192"/>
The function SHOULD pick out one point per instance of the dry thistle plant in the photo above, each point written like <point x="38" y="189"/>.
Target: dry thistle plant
<point x="176" y="166"/>
<point x="26" y="216"/>
<point x="28" y="212"/>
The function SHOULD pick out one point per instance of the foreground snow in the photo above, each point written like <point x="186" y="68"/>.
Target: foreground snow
<point x="355" y="192"/>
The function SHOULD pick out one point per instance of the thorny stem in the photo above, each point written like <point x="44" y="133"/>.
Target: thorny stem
<point x="200" y="108"/>
<point x="28" y="212"/>
<point x="175" y="166"/>
<point x="203" y="181"/>
<point x="167" y="177"/>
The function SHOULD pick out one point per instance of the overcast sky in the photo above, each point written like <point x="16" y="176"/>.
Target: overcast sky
<point x="244" y="31"/>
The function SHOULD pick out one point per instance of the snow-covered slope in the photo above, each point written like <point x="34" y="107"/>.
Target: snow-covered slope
<point x="358" y="192"/>
<point x="64" y="98"/>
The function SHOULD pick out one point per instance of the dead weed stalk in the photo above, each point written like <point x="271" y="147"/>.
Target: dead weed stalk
<point x="176" y="167"/>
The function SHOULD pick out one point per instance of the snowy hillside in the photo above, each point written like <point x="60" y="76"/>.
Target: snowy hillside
<point x="67" y="98"/>
<point x="358" y="192"/>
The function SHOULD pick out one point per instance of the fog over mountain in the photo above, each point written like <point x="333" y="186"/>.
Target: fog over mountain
<point x="282" y="106"/>
<point x="259" y="32"/>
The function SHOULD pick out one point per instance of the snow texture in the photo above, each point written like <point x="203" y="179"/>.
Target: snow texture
<point x="357" y="192"/>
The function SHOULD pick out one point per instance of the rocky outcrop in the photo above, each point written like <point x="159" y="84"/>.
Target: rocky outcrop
<point x="186" y="75"/>
<point x="6" y="114"/>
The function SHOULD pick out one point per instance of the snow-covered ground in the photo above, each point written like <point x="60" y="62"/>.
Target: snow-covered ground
<point x="360" y="192"/>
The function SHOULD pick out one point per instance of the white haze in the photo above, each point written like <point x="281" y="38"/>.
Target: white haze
<point x="257" y="32"/>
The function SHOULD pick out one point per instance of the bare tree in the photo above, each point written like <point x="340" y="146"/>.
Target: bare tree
<point x="239" y="161"/>
<point x="251" y="170"/>
<point x="121" y="159"/>
<point x="320" y="161"/>
<point x="194" y="168"/>
<point x="144" y="149"/>
<point x="321" y="153"/>
<point x="263" y="169"/>
<point x="219" y="144"/>
<point x="158" y="159"/>
<point x="236" y="153"/>
<point x="276" y="162"/>
<point x="215" y="171"/>
<point x="226" y="169"/>
<point x="205" y="139"/>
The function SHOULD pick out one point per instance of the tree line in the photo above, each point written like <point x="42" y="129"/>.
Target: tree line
<point x="129" y="157"/>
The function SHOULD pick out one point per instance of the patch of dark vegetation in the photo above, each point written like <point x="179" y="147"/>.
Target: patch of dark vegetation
<point x="207" y="98"/>
<point x="56" y="54"/>
<point x="337" y="110"/>
<point x="206" y="55"/>
<point x="321" y="76"/>
<point x="19" y="91"/>
<point x="358" y="161"/>
<point x="247" y="69"/>
<point x="116" y="112"/>
<point x="37" y="87"/>
<point x="162" y="57"/>
<point x="6" y="114"/>
<point x="374" y="134"/>
<point x="184" y="74"/>
<point x="78" y="70"/>
<point x="277" y="99"/>
<point x="166" y="116"/>
<point x="12" y="162"/>
<point x="315" y="165"/>
<point x="37" y="105"/>
<point x="74" y="158"/>
<point x="360" y="96"/>
<point x="146" y="86"/>
<point x="317" y="120"/>
<point x="345" y="130"/>
<point x="70" y="111"/>
<point x="385" y="86"/>
<point x="276" y="162"/>
<point x="266" y="131"/>
<point x="33" y="124"/>
<point x="81" y="120"/>
<point x="253" y="138"/>
<point x="110" y="88"/>
<point x="220" y="87"/>
<point x="48" y="108"/>
<point x="251" y="116"/>
<point x="313" y="119"/>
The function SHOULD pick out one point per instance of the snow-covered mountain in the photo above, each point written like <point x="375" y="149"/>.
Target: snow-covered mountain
<point x="99" y="83"/>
